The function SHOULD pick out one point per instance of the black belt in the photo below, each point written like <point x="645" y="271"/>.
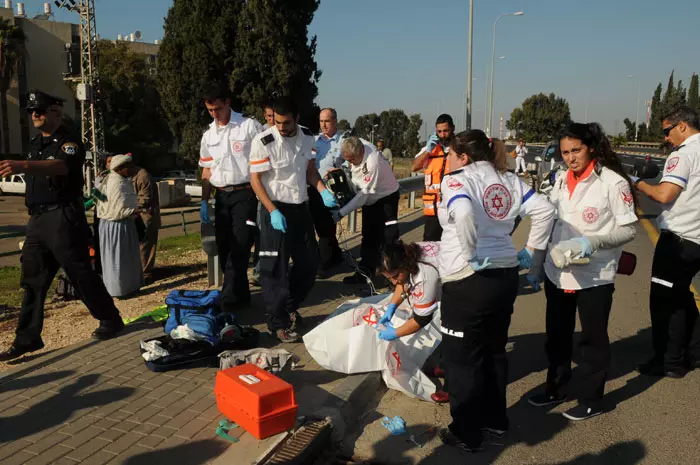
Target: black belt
<point x="45" y="208"/>
<point x="234" y="188"/>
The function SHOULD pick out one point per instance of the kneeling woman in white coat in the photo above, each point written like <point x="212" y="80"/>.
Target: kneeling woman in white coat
<point x="479" y="271"/>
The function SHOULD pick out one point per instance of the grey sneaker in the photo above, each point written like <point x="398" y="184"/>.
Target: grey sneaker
<point x="287" y="335"/>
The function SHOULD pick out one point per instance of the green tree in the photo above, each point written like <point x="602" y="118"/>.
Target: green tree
<point x="363" y="125"/>
<point x="133" y="114"/>
<point x="275" y="57"/>
<point x="629" y="129"/>
<point x="413" y="144"/>
<point x="198" y="49"/>
<point x="540" y="117"/>
<point x="12" y="41"/>
<point x="693" y="97"/>
<point x="393" y="127"/>
<point x="657" y="112"/>
<point x="344" y="125"/>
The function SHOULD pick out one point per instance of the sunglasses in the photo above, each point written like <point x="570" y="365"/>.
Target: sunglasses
<point x="38" y="111"/>
<point x="667" y="130"/>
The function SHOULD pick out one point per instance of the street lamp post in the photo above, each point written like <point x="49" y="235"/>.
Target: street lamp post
<point x="636" y="121"/>
<point x="493" y="64"/>
<point x="468" y="115"/>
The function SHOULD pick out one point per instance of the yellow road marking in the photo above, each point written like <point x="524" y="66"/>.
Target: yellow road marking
<point x="653" y="234"/>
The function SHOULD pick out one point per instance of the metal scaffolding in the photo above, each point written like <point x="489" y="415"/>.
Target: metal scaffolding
<point x="88" y="85"/>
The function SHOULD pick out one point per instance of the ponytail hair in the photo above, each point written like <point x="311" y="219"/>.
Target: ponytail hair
<point x="593" y="136"/>
<point x="401" y="257"/>
<point x="478" y="147"/>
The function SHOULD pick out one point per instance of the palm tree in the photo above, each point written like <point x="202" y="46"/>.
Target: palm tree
<point x="11" y="52"/>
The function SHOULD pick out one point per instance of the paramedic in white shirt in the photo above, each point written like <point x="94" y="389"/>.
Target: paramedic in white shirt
<point x="520" y="152"/>
<point x="413" y="271"/>
<point x="377" y="193"/>
<point x="675" y="325"/>
<point x="478" y="266"/>
<point x="281" y="165"/>
<point x="223" y="157"/>
<point x="596" y="216"/>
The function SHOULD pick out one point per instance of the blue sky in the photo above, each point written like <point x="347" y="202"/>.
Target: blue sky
<point x="412" y="54"/>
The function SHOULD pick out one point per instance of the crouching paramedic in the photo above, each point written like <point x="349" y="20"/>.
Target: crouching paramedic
<point x="281" y="163"/>
<point x="377" y="192"/>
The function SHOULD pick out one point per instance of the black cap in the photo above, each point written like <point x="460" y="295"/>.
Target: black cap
<point x="38" y="100"/>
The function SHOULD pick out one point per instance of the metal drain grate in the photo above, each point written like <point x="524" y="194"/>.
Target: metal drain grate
<point x="303" y="447"/>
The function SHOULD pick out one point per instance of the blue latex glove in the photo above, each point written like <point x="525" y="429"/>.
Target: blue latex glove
<point x="396" y="425"/>
<point x="328" y="199"/>
<point x="585" y="244"/>
<point x="534" y="281"/>
<point x="432" y="143"/>
<point x="388" y="314"/>
<point x="478" y="266"/>
<point x="525" y="259"/>
<point x="634" y="179"/>
<point x="388" y="333"/>
<point x="279" y="222"/>
<point x="204" y="212"/>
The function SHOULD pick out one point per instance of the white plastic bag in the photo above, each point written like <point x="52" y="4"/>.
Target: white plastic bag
<point x="347" y="342"/>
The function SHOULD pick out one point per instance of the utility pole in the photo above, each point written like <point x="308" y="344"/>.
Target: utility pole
<point x="468" y="114"/>
<point x="88" y="85"/>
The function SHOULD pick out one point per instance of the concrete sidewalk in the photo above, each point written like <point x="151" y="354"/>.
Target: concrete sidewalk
<point x="97" y="403"/>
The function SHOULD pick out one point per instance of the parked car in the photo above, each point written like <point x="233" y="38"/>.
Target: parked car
<point x="13" y="184"/>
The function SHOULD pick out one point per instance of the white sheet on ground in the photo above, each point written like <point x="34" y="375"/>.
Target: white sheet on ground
<point x="347" y="342"/>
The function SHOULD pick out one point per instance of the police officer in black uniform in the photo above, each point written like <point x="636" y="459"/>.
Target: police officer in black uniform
<point x="57" y="233"/>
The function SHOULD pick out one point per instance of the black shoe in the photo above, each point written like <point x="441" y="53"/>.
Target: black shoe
<point x="108" y="329"/>
<point x="544" y="399"/>
<point x="582" y="412"/>
<point x="495" y="432"/>
<point x="694" y="365"/>
<point x="297" y="321"/>
<point x="450" y="439"/>
<point x="654" y="368"/>
<point x="355" y="278"/>
<point x="16" y="350"/>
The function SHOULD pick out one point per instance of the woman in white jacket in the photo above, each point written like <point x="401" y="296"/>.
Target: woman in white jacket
<point x="119" y="241"/>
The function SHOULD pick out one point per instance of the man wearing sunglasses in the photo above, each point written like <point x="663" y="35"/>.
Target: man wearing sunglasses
<point x="674" y="315"/>
<point x="57" y="233"/>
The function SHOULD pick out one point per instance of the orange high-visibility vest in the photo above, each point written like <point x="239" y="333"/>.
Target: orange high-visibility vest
<point x="434" y="172"/>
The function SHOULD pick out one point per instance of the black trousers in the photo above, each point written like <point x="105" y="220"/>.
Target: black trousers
<point x="476" y="314"/>
<point x="58" y="238"/>
<point x="674" y="315"/>
<point x="380" y="226"/>
<point x="432" y="231"/>
<point x="235" y="215"/>
<point x="593" y="306"/>
<point x="328" y="248"/>
<point x="283" y="291"/>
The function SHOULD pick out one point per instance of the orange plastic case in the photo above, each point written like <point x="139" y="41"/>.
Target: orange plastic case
<point x="263" y="408"/>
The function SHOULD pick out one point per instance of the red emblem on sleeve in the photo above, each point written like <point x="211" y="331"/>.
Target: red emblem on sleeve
<point x="418" y="291"/>
<point x="590" y="215"/>
<point x="626" y="194"/>
<point x="431" y="249"/>
<point x="367" y="178"/>
<point x="454" y="184"/>
<point x="497" y="201"/>
<point x="671" y="165"/>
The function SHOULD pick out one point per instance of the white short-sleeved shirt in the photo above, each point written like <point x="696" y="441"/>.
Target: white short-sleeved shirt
<point x="599" y="204"/>
<point x="682" y="168"/>
<point x="372" y="179"/>
<point x="521" y="151"/>
<point x="284" y="161"/>
<point x="425" y="285"/>
<point x="496" y="199"/>
<point x="225" y="150"/>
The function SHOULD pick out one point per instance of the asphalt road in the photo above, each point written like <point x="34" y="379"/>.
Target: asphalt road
<point x="650" y="420"/>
